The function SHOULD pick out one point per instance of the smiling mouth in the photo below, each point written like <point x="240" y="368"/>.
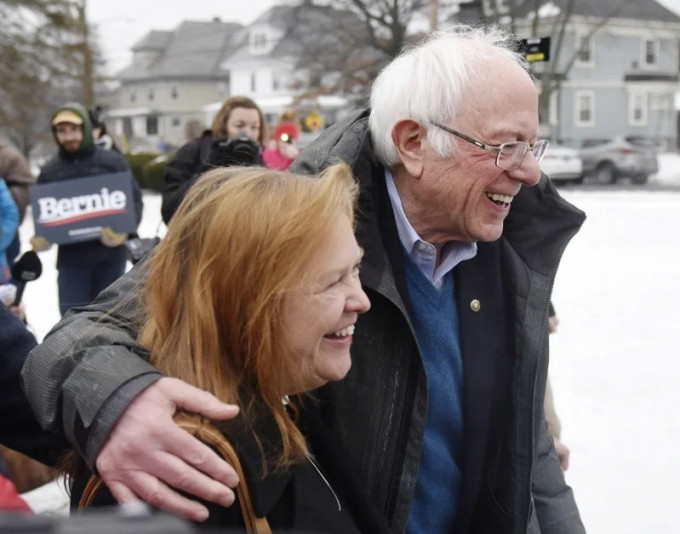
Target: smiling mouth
<point x="502" y="201"/>
<point x="345" y="332"/>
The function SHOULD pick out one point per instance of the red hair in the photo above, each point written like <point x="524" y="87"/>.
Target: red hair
<point x="216" y="285"/>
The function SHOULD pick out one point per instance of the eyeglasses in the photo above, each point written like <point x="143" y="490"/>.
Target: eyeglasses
<point x="509" y="155"/>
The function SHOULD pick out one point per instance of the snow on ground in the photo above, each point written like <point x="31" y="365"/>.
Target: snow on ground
<point x="669" y="170"/>
<point x="614" y="359"/>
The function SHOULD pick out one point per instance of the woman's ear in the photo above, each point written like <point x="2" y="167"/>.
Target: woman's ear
<point x="409" y="137"/>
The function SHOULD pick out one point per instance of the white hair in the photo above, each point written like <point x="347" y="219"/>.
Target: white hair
<point x="428" y="82"/>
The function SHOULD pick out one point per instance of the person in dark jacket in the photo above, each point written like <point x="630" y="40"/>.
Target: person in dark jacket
<point x="238" y="115"/>
<point x="19" y="430"/>
<point x="100" y="134"/>
<point x="441" y="416"/>
<point x="276" y="254"/>
<point x="16" y="172"/>
<point x="87" y="267"/>
<point x="551" y="417"/>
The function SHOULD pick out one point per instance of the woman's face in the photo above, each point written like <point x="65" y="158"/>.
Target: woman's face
<point x="320" y="316"/>
<point x="244" y="120"/>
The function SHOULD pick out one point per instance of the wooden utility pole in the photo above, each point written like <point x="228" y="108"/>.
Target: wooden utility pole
<point x="434" y="14"/>
<point x="87" y="79"/>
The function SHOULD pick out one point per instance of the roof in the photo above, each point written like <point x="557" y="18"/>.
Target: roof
<point x="298" y="25"/>
<point x="278" y="16"/>
<point x="193" y="50"/>
<point x="154" y="40"/>
<point x="620" y="9"/>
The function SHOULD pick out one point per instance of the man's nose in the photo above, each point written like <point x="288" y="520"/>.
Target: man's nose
<point x="528" y="173"/>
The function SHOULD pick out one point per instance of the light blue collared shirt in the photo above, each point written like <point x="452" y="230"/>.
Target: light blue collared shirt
<point x="422" y="253"/>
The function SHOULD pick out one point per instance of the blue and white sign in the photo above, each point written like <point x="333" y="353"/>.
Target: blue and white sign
<point x="76" y="210"/>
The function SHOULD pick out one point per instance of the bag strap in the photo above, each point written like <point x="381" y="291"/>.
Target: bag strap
<point x="212" y="437"/>
<point x="89" y="492"/>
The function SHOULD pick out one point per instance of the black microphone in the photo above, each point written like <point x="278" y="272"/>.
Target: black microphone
<point x="25" y="269"/>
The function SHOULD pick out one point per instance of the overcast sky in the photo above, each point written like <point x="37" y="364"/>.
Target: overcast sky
<point x="121" y="23"/>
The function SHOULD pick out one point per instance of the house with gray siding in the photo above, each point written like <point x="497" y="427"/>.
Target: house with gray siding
<point x="172" y="76"/>
<point x="613" y="65"/>
<point x="616" y="70"/>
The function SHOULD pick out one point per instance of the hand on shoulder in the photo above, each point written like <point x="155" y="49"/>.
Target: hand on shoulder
<point x="147" y="456"/>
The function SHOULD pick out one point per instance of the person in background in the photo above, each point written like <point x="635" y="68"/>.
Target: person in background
<point x="87" y="267"/>
<point x="100" y="134"/>
<point x="16" y="172"/>
<point x="24" y="446"/>
<point x="282" y="148"/>
<point x="551" y="418"/>
<point x="441" y="416"/>
<point x="10" y="500"/>
<point x="238" y="116"/>
<point x="9" y="222"/>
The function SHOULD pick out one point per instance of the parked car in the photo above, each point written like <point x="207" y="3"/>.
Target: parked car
<point x="562" y="164"/>
<point x="630" y="156"/>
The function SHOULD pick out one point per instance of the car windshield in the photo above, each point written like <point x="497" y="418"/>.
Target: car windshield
<point x="641" y="141"/>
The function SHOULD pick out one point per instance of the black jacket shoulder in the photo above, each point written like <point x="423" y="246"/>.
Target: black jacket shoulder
<point x="91" y="162"/>
<point x="182" y="170"/>
<point x="18" y="427"/>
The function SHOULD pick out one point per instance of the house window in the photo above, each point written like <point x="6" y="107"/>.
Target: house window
<point x="176" y="122"/>
<point x="278" y="81"/>
<point x="584" y="50"/>
<point x="650" y="52"/>
<point x="174" y="92"/>
<point x="152" y="125"/>
<point x="584" y="108"/>
<point x="495" y="7"/>
<point x="637" y="109"/>
<point x="258" y="42"/>
<point x="253" y="82"/>
<point x="128" y="131"/>
<point x="151" y="95"/>
<point x="502" y="6"/>
<point x="133" y="97"/>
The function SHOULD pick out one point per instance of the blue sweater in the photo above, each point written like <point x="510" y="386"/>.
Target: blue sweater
<point x="435" y="319"/>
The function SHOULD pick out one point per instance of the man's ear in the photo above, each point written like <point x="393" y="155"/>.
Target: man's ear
<point x="409" y="137"/>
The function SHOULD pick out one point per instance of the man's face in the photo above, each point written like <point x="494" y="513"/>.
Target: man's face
<point x="69" y="136"/>
<point x="467" y="195"/>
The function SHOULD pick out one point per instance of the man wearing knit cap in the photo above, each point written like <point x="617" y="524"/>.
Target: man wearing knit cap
<point x="87" y="267"/>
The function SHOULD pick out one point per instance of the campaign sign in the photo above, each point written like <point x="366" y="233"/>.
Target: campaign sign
<point x="76" y="210"/>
